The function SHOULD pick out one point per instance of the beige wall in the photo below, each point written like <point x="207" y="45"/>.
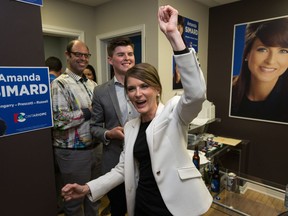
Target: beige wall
<point x="69" y="15"/>
<point x="129" y="13"/>
<point x="194" y="11"/>
<point x="115" y="16"/>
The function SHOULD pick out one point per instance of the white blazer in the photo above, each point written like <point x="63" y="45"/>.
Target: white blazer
<point x="179" y="182"/>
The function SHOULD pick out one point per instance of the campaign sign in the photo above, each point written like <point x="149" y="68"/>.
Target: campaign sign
<point x="190" y="32"/>
<point x="25" y="102"/>
<point x="34" y="2"/>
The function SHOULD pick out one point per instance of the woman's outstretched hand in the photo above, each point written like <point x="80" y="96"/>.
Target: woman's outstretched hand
<point x="168" y="18"/>
<point x="74" y="191"/>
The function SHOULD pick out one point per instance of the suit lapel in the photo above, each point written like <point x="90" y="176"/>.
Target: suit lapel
<point x="114" y="99"/>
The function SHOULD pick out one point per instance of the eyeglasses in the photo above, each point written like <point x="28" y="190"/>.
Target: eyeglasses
<point x="78" y="54"/>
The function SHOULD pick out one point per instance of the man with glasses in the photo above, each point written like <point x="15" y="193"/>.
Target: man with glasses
<point x="76" y="152"/>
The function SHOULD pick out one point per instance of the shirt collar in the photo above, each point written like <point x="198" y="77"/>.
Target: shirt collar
<point x="75" y="76"/>
<point x="116" y="82"/>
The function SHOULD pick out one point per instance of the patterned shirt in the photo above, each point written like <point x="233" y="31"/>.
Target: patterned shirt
<point x="71" y="100"/>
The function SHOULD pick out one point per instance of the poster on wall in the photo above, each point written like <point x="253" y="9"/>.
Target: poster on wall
<point x="259" y="77"/>
<point x="34" y="2"/>
<point x="189" y="31"/>
<point x="25" y="103"/>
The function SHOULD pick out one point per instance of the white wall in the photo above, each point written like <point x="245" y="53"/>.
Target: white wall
<point x="117" y="15"/>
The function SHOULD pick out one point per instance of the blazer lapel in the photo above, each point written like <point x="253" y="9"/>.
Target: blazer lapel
<point x="132" y="131"/>
<point x="150" y="130"/>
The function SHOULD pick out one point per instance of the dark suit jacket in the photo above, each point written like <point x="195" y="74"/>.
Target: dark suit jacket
<point x="105" y="116"/>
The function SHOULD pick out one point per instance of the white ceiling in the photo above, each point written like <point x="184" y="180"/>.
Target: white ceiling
<point x="209" y="3"/>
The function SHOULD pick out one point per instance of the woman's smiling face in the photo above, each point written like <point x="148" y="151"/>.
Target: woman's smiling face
<point x="267" y="63"/>
<point x="143" y="97"/>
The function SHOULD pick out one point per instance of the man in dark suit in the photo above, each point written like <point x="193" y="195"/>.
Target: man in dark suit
<point x="111" y="110"/>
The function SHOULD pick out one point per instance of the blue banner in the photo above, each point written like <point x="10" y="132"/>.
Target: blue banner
<point x="34" y="2"/>
<point x="25" y="102"/>
<point x="189" y="31"/>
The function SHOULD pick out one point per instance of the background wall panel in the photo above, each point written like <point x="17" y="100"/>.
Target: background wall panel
<point x="26" y="160"/>
<point x="268" y="148"/>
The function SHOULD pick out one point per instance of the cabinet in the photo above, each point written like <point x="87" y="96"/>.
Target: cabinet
<point x="251" y="196"/>
<point x="232" y="157"/>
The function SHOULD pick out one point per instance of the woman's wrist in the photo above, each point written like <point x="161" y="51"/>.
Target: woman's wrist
<point x="176" y="41"/>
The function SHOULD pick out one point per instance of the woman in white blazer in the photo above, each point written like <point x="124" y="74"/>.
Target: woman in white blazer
<point x="160" y="178"/>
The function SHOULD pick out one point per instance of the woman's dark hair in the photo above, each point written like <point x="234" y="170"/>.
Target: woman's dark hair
<point x="180" y="22"/>
<point x="91" y="68"/>
<point x="146" y="73"/>
<point x="272" y="33"/>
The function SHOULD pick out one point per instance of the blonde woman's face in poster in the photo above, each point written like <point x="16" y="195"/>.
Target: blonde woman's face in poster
<point x="267" y="63"/>
<point x="180" y="29"/>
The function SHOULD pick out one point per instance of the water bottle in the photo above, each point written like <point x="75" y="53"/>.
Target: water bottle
<point x="215" y="182"/>
<point x="196" y="158"/>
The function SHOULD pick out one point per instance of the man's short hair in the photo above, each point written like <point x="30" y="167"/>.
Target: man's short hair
<point x="120" y="41"/>
<point x="53" y="63"/>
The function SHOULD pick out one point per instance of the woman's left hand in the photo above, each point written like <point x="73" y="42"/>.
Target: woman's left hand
<point x="74" y="191"/>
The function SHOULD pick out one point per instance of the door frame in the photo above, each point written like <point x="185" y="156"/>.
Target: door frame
<point x="61" y="31"/>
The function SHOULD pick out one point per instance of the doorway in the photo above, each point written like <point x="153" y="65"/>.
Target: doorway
<point x="55" y="46"/>
<point x="136" y="40"/>
<point x="55" y="40"/>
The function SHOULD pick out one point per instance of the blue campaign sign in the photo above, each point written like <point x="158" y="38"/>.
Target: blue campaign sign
<point x="25" y="102"/>
<point x="34" y="2"/>
<point x="190" y="33"/>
